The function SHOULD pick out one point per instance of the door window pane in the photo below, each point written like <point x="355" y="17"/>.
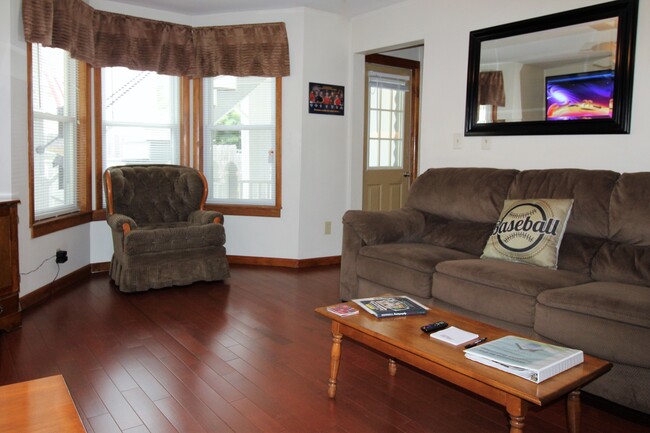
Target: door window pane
<point x="385" y="123"/>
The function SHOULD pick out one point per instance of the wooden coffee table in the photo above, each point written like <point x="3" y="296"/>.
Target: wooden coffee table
<point x="401" y="338"/>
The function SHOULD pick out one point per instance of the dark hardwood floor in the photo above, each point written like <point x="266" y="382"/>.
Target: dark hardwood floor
<point x="249" y="355"/>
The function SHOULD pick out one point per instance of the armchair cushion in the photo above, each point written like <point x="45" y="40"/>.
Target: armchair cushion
<point x="178" y="238"/>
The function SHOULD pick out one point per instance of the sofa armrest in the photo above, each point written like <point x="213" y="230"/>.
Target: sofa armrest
<point x="402" y="225"/>
<point x="117" y="223"/>
<point x="205" y="217"/>
<point x="362" y="228"/>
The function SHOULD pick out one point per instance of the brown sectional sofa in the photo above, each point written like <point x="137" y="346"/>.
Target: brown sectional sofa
<point x="598" y="299"/>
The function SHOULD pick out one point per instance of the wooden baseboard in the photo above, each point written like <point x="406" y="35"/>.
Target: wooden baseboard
<point x="98" y="268"/>
<point x="284" y="263"/>
<point x="254" y="261"/>
<point x="39" y="295"/>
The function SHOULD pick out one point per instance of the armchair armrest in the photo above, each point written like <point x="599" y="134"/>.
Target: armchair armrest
<point x="205" y="217"/>
<point x="121" y="223"/>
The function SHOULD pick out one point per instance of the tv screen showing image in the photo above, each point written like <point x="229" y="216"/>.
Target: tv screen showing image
<point x="587" y="95"/>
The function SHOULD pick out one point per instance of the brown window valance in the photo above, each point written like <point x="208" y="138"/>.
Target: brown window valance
<point x="107" y="39"/>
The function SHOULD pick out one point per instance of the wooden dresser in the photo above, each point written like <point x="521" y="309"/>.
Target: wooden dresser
<point x="10" y="316"/>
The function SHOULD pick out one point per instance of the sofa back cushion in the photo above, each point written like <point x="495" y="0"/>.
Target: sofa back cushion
<point x="625" y="257"/>
<point x="590" y="190"/>
<point x="629" y="210"/>
<point x="461" y="194"/>
<point x="466" y="236"/>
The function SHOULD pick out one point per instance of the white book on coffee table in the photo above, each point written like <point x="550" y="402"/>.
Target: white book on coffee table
<point x="532" y="360"/>
<point x="455" y="336"/>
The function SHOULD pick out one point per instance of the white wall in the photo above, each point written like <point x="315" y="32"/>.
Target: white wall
<point x="323" y="158"/>
<point x="444" y="27"/>
<point x="5" y="102"/>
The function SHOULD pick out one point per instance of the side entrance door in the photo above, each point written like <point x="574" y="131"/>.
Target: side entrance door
<point x="390" y="138"/>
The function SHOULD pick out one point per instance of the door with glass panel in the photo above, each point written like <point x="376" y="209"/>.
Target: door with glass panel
<point x="387" y="143"/>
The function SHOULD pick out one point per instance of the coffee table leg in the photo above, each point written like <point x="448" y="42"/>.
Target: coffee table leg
<point x="573" y="411"/>
<point x="335" y="360"/>
<point x="392" y="367"/>
<point x="517" y="409"/>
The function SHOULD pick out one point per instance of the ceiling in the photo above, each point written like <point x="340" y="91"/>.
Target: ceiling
<point x="203" y="7"/>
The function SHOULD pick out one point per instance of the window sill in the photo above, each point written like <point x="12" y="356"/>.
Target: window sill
<point x="51" y="225"/>
<point x="258" y="211"/>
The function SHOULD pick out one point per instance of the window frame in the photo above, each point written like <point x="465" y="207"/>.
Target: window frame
<point x="49" y="225"/>
<point x="198" y="147"/>
<point x="99" y="213"/>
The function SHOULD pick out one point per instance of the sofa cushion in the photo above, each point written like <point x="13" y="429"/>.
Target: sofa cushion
<point x="529" y="231"/>
<point x="622" y="263"/>
<point x="512" y="277"/>
<point x="461" y="194"/>
<point x="590" y="189"/>
<point x="585" y="316"/>
<point x="466" y="236"/>
<point x="404" y="266"/>
<point x="577" y="253"/>
<point x="630" y="207"/>
<point x="503" y="290"/>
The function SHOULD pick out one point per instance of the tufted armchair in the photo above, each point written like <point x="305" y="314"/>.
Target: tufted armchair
<point x="161" y="235"/>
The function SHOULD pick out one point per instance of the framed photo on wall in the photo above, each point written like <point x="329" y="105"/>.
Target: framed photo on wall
<point x="326" y="99"/>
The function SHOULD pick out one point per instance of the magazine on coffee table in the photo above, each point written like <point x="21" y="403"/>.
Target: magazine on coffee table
<point x="526" y="358"/>
<point x="342" y="310"/>
<point x="391" y="306"/>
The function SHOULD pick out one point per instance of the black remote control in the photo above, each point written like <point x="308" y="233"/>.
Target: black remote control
<point x="433" y="327"/>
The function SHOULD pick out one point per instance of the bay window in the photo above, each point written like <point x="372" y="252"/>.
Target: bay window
<point x="59" y="154"/>
<point x="239" y="145"/>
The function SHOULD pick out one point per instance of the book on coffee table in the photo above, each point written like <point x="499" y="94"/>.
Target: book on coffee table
<point x="390" y="306"/>
<point x="455" y="336"/>
<point x="342" y="310"/>
<point x="526" y="358"/>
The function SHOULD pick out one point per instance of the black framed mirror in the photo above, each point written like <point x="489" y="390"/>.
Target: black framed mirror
<point x="566" y="73"/>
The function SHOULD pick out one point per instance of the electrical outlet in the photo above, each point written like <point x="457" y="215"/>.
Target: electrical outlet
<point x="328" y="227"/>
<point x="61" y="256"/>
